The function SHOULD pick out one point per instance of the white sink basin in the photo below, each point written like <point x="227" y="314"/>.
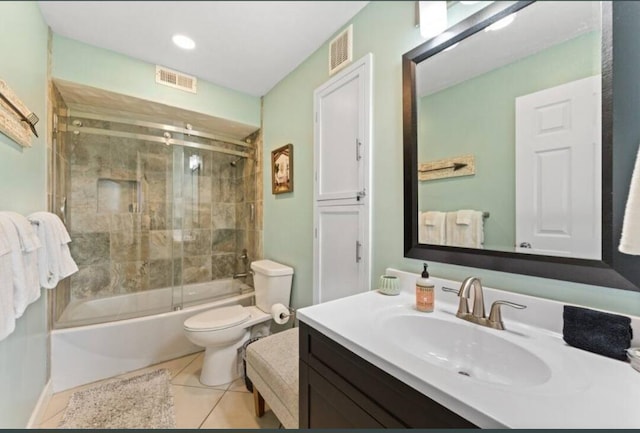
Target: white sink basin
<point x="466" y="349"/>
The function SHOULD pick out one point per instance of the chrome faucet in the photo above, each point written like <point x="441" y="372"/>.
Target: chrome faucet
<point x="478" y="298"/>
<point x="478" y="313"/>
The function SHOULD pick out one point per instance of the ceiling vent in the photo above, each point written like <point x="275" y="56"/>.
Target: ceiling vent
<point x="176" y="79"/>
<point x="340" y="50"/>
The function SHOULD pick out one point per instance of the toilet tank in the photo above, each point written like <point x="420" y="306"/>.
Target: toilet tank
<point x="272" y="282"/>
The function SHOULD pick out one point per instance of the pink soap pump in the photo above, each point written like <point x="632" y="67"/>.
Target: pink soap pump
<point x="424" y="292"/>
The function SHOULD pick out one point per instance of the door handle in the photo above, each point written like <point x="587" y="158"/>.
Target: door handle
<point x="63" y="210"/>
<point x="358" y="144"/>
<point x="525" y="245"/>
<point x="358" y="246"/>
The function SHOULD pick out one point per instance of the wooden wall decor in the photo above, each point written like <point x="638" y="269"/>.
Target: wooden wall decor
<point x="282" y="169"/>
<point x="463" y="165"/>
<point x="11" y="124"/>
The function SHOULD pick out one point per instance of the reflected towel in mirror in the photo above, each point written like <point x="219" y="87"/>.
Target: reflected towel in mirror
<point x="431" y="228"/>
<point x="469" y="235"/>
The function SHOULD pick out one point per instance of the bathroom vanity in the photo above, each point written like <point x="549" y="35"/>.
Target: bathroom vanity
<point x="341" y="389"/>
<point x="372" y="360"/>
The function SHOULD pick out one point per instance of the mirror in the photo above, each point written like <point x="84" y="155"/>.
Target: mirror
<point x="524" y="162"/>
<point x="496" y="125"/>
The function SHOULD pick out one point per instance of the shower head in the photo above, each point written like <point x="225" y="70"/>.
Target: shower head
<point x="235" y="162"/>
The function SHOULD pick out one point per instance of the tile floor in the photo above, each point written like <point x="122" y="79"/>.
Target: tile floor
<point x="196" y="405"/>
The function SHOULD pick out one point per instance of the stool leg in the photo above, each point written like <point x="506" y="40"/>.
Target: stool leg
<point x="258" y="402"/>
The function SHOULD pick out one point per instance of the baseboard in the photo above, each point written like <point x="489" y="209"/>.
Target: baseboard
<point x="43" y="401"/>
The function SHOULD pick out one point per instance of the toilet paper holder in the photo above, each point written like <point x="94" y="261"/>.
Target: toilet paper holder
<point x="281" y="313"/>
<point x="292" y="313"/>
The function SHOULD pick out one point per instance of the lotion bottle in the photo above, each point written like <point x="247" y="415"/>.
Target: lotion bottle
<point x="424" y="292"/>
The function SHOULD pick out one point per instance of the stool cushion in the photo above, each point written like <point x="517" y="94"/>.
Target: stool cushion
<point x="274" y="359"/>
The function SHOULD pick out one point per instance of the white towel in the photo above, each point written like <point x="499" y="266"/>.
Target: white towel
<point x="28" y="239"/>
<point x="7" y="313"/>
<point x="469" y="235"/>
<point x="24" y="265"/>
<point x="54" y="259"/>
<point x="630" y="239"/>
<point x="464" y="216"/>
<point x="431" y="228"/>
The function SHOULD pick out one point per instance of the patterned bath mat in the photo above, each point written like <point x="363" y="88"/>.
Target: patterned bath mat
<point x="143" y="401"/>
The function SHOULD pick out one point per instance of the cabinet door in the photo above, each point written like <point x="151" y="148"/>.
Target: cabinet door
<point x="328" y="407"/>
<point x="341" y="252"/>
<point x="342" y="112"/>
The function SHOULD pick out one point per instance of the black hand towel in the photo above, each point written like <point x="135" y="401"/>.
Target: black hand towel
<point x="603" y="333"/>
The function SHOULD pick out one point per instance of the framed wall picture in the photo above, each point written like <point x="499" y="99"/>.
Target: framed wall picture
<point x="282" y="169"/>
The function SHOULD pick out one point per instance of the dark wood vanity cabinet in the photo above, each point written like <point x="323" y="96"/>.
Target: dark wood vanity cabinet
<point x="338" y="389"/>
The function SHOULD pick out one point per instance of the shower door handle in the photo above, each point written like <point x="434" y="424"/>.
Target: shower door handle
<point x="63" y="210"/>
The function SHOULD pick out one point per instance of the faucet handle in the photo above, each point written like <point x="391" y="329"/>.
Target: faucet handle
<point x="495" y="316"/>
<point x="463" y="306"/>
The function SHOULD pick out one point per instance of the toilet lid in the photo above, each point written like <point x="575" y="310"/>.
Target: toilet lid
<point x="218" y="318"/>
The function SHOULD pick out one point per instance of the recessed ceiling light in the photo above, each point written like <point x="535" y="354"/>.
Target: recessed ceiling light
<point x="184" y="42"/>
<point x="501" y="24"/>
<point x="433" y="18"/>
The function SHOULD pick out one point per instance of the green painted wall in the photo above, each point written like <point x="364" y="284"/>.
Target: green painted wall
<point x="387" y="30"/>
<point x="288" y="115"/>
<point x="454" y="121"/>
<point x="97" y="67"/>
<point x="23" y="354"/>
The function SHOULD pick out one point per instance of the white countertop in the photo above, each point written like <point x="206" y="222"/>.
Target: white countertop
<point x="585" y="390"/>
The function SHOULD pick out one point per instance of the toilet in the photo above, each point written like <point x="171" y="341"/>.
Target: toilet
<point x="222" y="331"/>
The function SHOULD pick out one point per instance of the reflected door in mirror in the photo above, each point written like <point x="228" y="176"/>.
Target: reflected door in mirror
<point x="558" y="176"/>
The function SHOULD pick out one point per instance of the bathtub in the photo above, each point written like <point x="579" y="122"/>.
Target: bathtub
<point x="83" y="354"/>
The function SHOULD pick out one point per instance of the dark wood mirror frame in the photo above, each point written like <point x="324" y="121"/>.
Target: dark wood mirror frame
<point x="614" y="269"/>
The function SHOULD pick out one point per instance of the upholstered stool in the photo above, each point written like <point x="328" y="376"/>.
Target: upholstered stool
<point x="272" y="367"/>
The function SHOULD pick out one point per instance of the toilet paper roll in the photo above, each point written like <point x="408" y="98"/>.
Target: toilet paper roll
<point x="280" y="314"/>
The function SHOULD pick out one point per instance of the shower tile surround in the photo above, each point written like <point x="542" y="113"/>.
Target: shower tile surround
<point x="159" y="227"/>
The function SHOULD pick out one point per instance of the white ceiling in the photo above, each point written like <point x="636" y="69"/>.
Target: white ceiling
<point x="248" y="46"/>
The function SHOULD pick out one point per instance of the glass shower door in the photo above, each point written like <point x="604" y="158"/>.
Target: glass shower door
<point x="118" y="185"/>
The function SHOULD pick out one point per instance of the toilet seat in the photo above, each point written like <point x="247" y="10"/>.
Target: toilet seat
<point x="218" y="318"/>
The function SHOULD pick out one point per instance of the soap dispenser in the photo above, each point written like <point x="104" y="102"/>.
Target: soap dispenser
<point x="424" y="292"/>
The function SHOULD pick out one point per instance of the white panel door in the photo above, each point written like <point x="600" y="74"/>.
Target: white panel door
<point x="558" y="170"/>
<point x="342" y="135"/>
<point x="340" y="252"/>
